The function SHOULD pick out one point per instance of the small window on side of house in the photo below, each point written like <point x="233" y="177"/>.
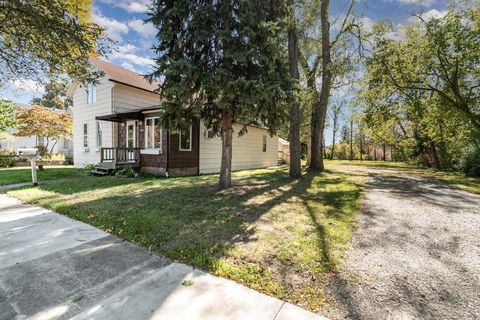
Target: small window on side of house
<point x="209" y="134"/>
<point x="85" y="135"/>
<point x="264" y="145"/>
<point x="186" y="139"/>
<point x="91" y="93"/>
<point x="99" y="134"/>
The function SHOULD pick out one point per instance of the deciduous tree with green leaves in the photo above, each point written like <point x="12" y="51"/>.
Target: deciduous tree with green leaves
<point x="8" y="115"/>
<point x="55" y="96"/>
<point x="224" y="62"/>
<point x="47" y="38"/>
<point x="44" y="122"/>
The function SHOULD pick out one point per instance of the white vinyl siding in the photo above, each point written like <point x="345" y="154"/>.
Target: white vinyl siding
<point x="126" y="98"/>
<point x="247" y="150"/>
<point x="85" y="113"/>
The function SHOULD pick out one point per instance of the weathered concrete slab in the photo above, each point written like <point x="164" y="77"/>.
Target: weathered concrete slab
<point x="293" y="312"/>
<point x="66" y="282"/>
<point x="53" y="267"/>
<point x="28" y="233"/>
<point x="162" y="296"/>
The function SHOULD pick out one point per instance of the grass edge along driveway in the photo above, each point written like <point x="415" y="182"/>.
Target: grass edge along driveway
<point x="23" y="174"/>
<point x="279" y="236"/>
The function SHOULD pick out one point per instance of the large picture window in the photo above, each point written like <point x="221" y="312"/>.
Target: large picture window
<point x="91" y="92"/>
<point x="186" y="139"/>
<point x="153" y="133"/>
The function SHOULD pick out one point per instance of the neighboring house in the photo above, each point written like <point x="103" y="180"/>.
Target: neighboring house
<point x="117" y="123"/>
<point x="62" y="146"/>
<point x="283" y="150"/>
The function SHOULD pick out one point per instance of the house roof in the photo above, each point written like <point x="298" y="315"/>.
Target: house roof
<point x="124" y="76"/>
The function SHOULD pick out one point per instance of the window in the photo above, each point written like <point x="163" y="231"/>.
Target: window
<point x="85" y="135"/>
<point x="99" y="134"/>
<point x="208" y="134"/>
<point x="186" y="139"/>
<point x="264" y="143"/>
<point x="153" y="133"/>
<point x="91" y="92"/>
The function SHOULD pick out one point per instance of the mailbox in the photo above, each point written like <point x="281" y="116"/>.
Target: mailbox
<point x="32" y="155"/>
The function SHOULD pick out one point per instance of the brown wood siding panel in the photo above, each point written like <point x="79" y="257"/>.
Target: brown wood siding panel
<point x="185" y="159"/>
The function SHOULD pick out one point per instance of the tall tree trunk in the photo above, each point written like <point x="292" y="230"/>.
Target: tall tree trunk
<point x="319" y="113"/>
<point x="225" y="180"/>
<point x="294" y="131"/>
<point x="333" y="145"/>
<point x="375" y="153"/>
<point x="351" y="139"/>
<point x="384" y="156"/>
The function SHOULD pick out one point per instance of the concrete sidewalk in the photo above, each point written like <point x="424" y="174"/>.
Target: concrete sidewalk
<point x="53" y="267"/>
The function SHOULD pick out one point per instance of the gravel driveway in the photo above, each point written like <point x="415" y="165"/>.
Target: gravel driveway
<point x="415" y="254"/>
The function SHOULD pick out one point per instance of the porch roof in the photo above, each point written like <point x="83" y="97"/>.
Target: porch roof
<point x="124" y="116"/>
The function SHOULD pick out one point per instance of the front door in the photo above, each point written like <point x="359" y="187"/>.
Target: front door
<point x="131" y="140"/>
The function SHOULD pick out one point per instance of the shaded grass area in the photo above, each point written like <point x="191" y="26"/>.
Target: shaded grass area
<point x="273" y="234"/>
<point x="18" y="175"/>
<point x="451" y="178"/>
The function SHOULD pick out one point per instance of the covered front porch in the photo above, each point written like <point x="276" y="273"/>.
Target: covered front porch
<point x="137" y="142"/>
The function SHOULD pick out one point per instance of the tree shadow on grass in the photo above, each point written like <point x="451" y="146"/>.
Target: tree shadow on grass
<point x="188" y="219"/>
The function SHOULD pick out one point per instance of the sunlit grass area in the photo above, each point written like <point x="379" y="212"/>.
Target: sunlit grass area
<point x="454" y="179"/>
<point x="24" y="174"/>
<point x="280" y="236"/>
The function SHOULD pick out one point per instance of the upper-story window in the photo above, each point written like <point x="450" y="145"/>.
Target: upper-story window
<point x="91" y="92"/>
<point x="186" y="139"/>
<point x="153" y="133"/>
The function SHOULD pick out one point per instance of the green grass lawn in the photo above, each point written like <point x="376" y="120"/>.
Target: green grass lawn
<point x="455" y="179"/>
<point x="23" y="174"/>
<point x="273" y="234"/>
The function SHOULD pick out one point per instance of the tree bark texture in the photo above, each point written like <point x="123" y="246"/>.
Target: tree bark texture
<point x="225" y="180"/>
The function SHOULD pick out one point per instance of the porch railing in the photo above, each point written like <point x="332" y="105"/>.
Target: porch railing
<point x="120" y="155"/>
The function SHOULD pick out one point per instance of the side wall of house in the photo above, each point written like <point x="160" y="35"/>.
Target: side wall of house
<point x="127" y="98"/>
<point x="86" y="113"/>
<point x="247" y="150"/>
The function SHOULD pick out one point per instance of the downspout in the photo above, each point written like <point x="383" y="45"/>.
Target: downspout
<point x="168" y="153"/>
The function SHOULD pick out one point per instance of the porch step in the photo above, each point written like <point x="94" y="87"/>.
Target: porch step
<point x="97" y="172"/>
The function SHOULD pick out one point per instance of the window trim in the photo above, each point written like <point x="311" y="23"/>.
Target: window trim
<point x="99" y="133"/>
<point x="135" y="141"/>
<point x="85" y="134"/>
<point x="91" y="93"/>
<point x="180" y="141"/>
<point x="145" y="147"/>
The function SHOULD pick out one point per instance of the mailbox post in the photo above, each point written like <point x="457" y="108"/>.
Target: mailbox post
<point x="32" y="155"/>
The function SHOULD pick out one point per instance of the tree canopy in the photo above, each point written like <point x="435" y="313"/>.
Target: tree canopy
<point x="8" y="115"/>
<point x="55" y="96"/>
<point x="47" y="38"/>
<point x="44" y="122"/>
<point x="223" y="62"/>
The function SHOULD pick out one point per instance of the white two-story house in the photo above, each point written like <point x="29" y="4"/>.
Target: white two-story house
<point x="117" y="123"/>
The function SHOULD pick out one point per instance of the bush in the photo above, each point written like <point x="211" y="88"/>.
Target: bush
<point x="88" y="168"/>
<point x="470" y="161"/>
<point x="7" y="161"/>
<point x="126" y="172"/>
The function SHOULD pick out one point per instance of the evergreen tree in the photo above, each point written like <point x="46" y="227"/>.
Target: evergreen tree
<point x="224" y="62"/>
